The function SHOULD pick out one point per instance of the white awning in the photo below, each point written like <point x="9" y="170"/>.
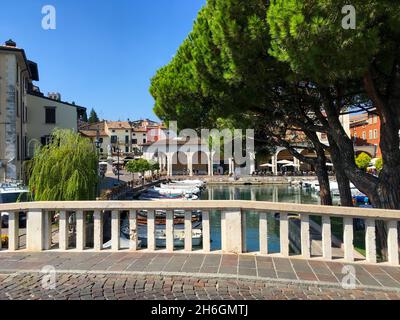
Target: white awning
<point x="285" y="162"/>
<point x="266" y="165"/>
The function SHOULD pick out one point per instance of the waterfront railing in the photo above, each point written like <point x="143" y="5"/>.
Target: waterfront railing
<point x="40" y="226"/>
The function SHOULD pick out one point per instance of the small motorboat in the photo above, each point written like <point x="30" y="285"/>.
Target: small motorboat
<point x="160" y="234"/>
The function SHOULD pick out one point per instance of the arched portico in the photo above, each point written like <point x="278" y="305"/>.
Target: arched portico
<point x="180" y="164"/>
<point x="200" y="163"/>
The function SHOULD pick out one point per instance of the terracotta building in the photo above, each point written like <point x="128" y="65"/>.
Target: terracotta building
<point x="365" y="132"/>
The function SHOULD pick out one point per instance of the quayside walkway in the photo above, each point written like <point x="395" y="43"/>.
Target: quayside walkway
<point x="146" y="267"/>
<point x="133" y="275"/>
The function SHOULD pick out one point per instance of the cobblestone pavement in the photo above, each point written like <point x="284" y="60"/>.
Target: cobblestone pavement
<point x="131" y="275"/>
<point x="126" y="287"/>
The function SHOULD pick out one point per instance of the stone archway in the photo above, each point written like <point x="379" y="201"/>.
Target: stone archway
<point x="200" y="163"/>
<point x="180" y="164"/>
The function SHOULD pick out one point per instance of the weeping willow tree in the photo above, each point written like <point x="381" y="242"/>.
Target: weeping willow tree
<point x="65" y="169"/>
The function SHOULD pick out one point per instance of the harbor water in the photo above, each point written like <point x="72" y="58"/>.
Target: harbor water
<point x="271" y="193"/>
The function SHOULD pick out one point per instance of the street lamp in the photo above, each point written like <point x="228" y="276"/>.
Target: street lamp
<point x="97" y="145"/>
<point x="116" y="142"/>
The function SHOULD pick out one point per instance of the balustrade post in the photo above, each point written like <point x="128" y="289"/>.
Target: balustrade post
<point x="1" y="231"/>
<point x="151" y="231"/>
<point x="206" y="231"/>
<point x="284" y="233"/>
<point x="393" y="242"/>
<point x="80" y="230"/>
<point x="38" y="229"/>
<point x="13" y="231"/>
<point x="115" y="230"/>
<point x="370" y="240"/>
<point x="263" y="233"/>
<point x="305" y="236"/>
<point x="169" y="231"/>
<point x="188" y="231"/>
<point x="326" y="238"/>
<point x="232" y="231"/>
<point x="348" y="236"/>
<point x="63" y="231"/>
<point x="98" y="230"/>
<point x="47" y="230"/>
<point x="133" y="232"/>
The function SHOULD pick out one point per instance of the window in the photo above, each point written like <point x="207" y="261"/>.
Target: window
<point x="133" y="134"/>
<point x="45" y="140"/>
<point x="101" y="150"/>
<point x="126" y="131"/>
<point x="370" y="134"/>
<point x="114" y="139"/>
<point x="50" y="115"/>
<point x="126" y="139"/>
<point x="134" y="141"/>
<point x="113" y="130"/>
<point x="101" y="140"/>
<point x="375" y="134"/>
<point x="144" y="140"/>
<point x="126" y="149"/>
<point x="364" y="135"/>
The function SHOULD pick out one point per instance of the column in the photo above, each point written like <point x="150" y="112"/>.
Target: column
<point x="284" y="234"/>
<point x="296" y="164"/>
<point x="211" y="164"/>
<point x="252" y="163"/>
<point x="392" y="242"/>
<point x="231" y="166"/>
<point x="305" y="236"/>
<point x="370" y="240"/>
<point x="35" y="230"/>
<point x="98" y="230"/>
<point x="188" y="231"/>
<point x="348" y="236"/>
<point x="275" y="164"/>
<point x="115" y="230"/>
<point x="133" y="232"/>
<point x="63" y="231"/>
<point x="151" y="231"/>
<point x="80" y="230"/>
<point x="231" y="231"/>
<point x="169" y="231"/>
<point x="169" y="164"/>
<point x="326" y="238"/>
<point x="206" y="231"/>
<point x="189" y="157"/>
<point x="13" y="231"/>
<point x="263" y="233"/>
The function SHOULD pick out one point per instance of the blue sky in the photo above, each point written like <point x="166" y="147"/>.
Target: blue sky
<point x="103" y="53"/>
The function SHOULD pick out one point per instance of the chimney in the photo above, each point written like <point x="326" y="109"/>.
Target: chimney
<point x="54" y="96"/>
<point x="10" y="43"/>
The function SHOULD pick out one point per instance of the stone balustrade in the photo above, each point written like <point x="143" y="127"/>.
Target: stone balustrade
<point x="233" y="226"/>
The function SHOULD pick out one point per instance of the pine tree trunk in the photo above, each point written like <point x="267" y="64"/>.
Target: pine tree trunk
<point x="346" y="198"/>
<point x="323" y="179"/>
